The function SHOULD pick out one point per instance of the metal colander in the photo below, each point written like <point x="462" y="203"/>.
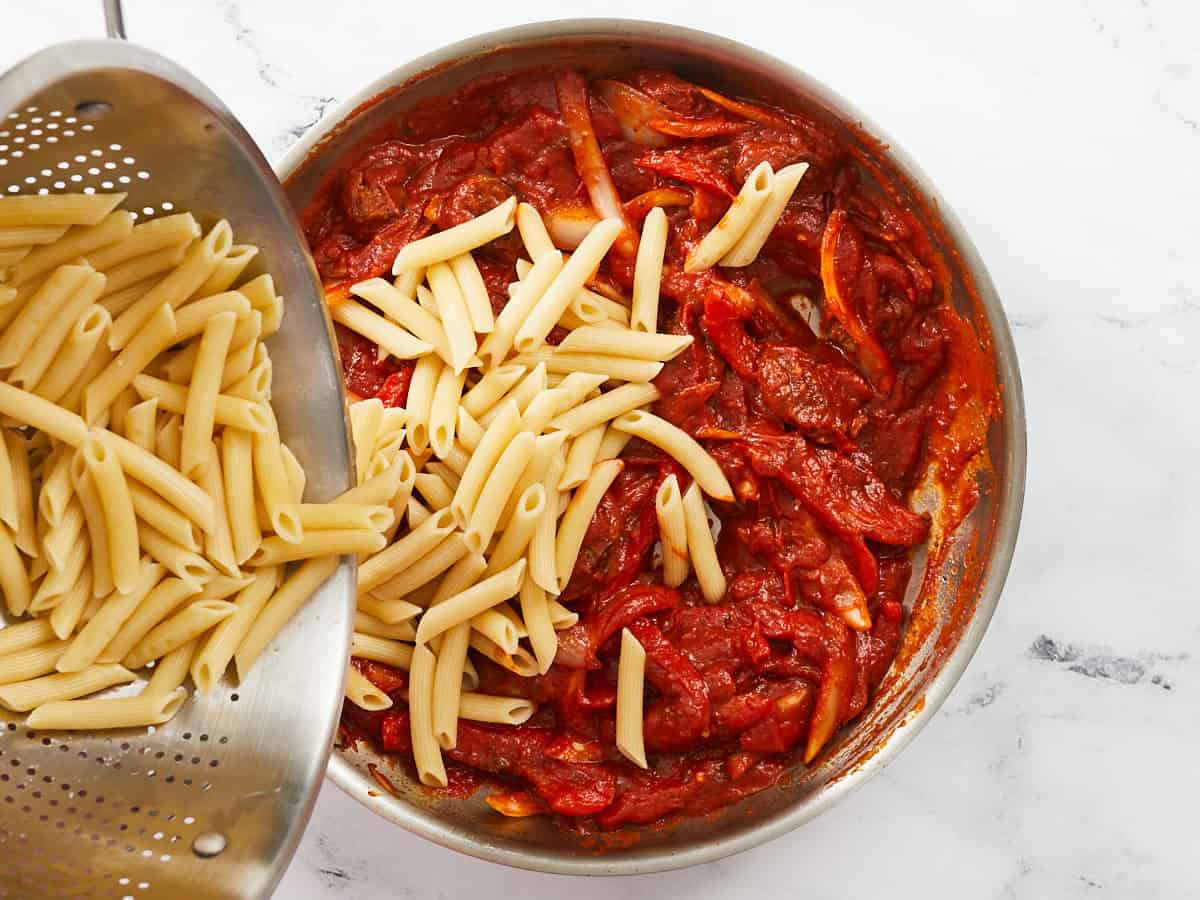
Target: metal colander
<point x="212" y="804"/>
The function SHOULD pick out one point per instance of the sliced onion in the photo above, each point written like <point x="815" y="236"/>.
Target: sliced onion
<point x="635" y="111"/>
<point x="569" y="224"/>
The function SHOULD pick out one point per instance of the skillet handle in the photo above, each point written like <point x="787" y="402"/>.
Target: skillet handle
<point x="114" y="19"/>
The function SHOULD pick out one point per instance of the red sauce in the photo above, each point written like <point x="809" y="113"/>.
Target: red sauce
<point x="824" y="428"/>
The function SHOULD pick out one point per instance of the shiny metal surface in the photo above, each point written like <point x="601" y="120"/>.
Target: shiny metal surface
<point x="954" y="613"/>
<point x="212" y="804"/>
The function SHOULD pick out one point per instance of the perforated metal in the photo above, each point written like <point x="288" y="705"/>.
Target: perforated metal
<point x="210" y="805"/>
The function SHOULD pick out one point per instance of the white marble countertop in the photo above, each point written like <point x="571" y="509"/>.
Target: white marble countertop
<point x="1067" y="137"/>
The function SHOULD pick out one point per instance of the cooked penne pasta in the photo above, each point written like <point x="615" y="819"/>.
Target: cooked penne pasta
<point x="398" y="342"/>
<point x="275" y="550"/>
<point x="501" y="710"/>
<point x="391" y="612"/>
<point x="365" y="416"/>
<point x="334" y="516"/>
<point x="558" y="295"/>
<point x="9" y="509"/>
<point x="701" y="549"/>
<point x="682" y="447"/>
<point x="24" y="534"/>
<point x="198" y="263"/>
<point x="68" y="611"/>
<point x="32" y="662"/>
<point x="647" y="272"/>
<point x="296" y="590"/>
<point x="474" y="291"/>
<point x="27" y="235"/>
<point x="271" y="476"/>
<point x="560" y="616"/>
<point x="212" y="659"/>
<point x="612" y="445"/>
<point x="383" y="650"/>
<point x="452" y="310"/>
<point x="165" y="232"/>
<point x="42" y="308"/>
<point x="535" y="612"/>
<point x="457" y="240"/>
<point x="218" y="543"/>
<point x="421" y="389"/>
<point x="363" y="694"/>
<point x="783" y="185"/>
<point x="385" y="486"/>
<point x="605" y="408"/>
<point x="120" y="523"/>
<point x="672" y="531"/>
<point x="533" y="232"/>
<point x="93" y="517"/>
<point x="635" y="344"/>
<point x="23" y="696"/>
<point x="736" y="221"/>
<point x="36" y="360"/>
<point x="140" y="423"/>
<point x="155" y="336"/>
<point x="99" y="631"/>
<point x="161" y="602"/>
<point x="469" y="603"/>
<point x="448" y="682"/>
<point x="491" y="387"/>
<point x="426" y="752"/>
<point x="365" y="623"/>
<point x="227" y="270"/>
<point x="190" y="622"/>
<point x="578" y="516"/>
<point x="14" y="578"/>
<point x="56" y="209"/>
<point x="171" y="671"/>
<point x="233" y="412"/>
<point x="618" y="368"/>
<point x="543" y="568"/>
<point x="581" y="457"/>
<point x="498" y="629"/>
<point x="515" y="539"/>
<point x="75" y="243"/>
<point x="443" y="410"/>
<point x="521" y="663"/>
<point x="631" y="675"/>
<point x="405" y="552"/>
<point x="433" y="490"/>
<point x="237" y="455"/>
<point x="23" y="635"/>
<point x="497" y="489"/>
<point x="177" y="559"/>
<point x="498" y="436"/>
<point x="497" y="345"/>
<point x="399" y="306"/>
<point x="119" y="712"/>
<point x="163" y="480"/>
<point x="200" y="410"/>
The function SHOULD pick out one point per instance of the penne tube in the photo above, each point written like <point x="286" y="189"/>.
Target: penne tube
<point x="427" y="754"/>
<point x="541" y="409"/>
<point x="59" y="539"/>
<point x="783" y="185"/>
<point x="200" y="409"/>
<point x="72" y="400"/>
<point x="31" y="662"/>
<point x="237" y="455"/>
<point x="141" y="420"/>
<point x="56" y="489"/>
<point x="605" y="408"/>
<point x="295" y="591"/>
<point x="635" y="344"/>
<point x="365" y="417"/>
<point x="385" y="486"/>
<point x="218" y="543"/>
<point x="10" y="514"/>
<point x="163" y="480"/>
<point x="463" y="574"/>
<point x="515" y="538"/>
<point x="161" y="516"/>
<point x="390" y="612"/>
<point x="569" y="281"/>
<point x="119" y="712"/>
<point x="612" y="445"/>
<point x="469" y="603"/>
<point x="260" y="292"/>
<point x="735" y="223"/>
<point x="545" y="448"/>
<point x="362" y="693"/>
<point x="27" y="235"/>
<point x="405" y="552"/>
<point x="631" y="675"/>
<point x="581" y="457"/>
<point x="492" y="445"/>
<point x="455" y="318"/>
<point x="443" y="410"/>
<point x="491" y="387"/>
<point x="535" y="611"/>
<point x="102" y="627"/>
<point x="296" y="478"/>
<point x="617" y="368"/>
<point x="533" y="232"/>
<point x="399" y="306"/>
<point x="421" y="388"/>
<point x="672" y="531"/>
<point x="647" y="273"/>
<point x="75" y="243"/>
<point x="37" y="358"/>
<point x="133" y="271"/>
<point x="116" y="505"/>
<point x="578" y="516"/>
<point x="198" y="263"/>
<point x="181" y="562"/>
<point x="520" y="663"/>
<point x="156" y="335"/>
<point x="93" y="517"/>
<point x="560" y="616"/>
<point x="171" y="671"/>
<point x="542" y="566"/>
<point x="501" y="710"/>
<point x="213" y="656"/>
<point x="460" y="239"/>
<point x="43" y="307"/>
<point x="14" y="578"/>
<point x="433" y="490"/>
<point x="76" y="351"/>
<point x="23" y="635"/>
<point x="57" y="209"/>
<point x="232" y="412"/>
<point x="497" y="489"/>
<point x="395" y="340"/>
<point x="24" y="534"/>
<point x="474" y="292"/>
<point x="190" y="622"/>
<point x="448" y="683"/>
<point x="161" y="602"/>
<point x="682" y="447"/>
<point x="23" y="696"/>
<point x="192" y="318"/>
<point x="365" y="623"/>
<point x="701" y="548"/>
<point x="382" y="650"/>
<point x="497" y="345"/>
<point x="274" y="550"/>
<point x="68" y="612"/>
<point x="165" y="232"/>
<point x="270" y="474"/>
<point x="498" y="629"/>
<point x="227" y="270"/>
<point x="469" y="434"/>
<point x="335" y="516"/>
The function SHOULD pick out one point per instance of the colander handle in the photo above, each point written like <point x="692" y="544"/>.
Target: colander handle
<point x="114" y="19"/>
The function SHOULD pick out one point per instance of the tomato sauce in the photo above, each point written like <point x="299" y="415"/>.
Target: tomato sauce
<point x="825" y="378"/>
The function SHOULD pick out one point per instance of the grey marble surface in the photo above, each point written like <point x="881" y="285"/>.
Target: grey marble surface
<point x="1067" y="136"/>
